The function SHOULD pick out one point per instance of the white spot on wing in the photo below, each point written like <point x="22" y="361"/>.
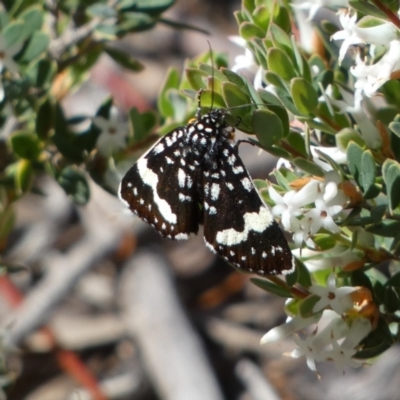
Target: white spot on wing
<point x="181" y="236"/>
<point x="247" y="184"/>
<point x="257" y="222"/>
<point x="181" y="177"/>
<point x="237" y="170"/>
<point x="215" y="189"/>
<point x="210" y="246"/>
<point x="151" y="179"/>
<point x="231" y="160"/>
<point x="159" y="148"/>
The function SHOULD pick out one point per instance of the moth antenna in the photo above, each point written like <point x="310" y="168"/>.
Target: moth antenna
<point x="212" y="77"/>
<point x="198" y="111"/>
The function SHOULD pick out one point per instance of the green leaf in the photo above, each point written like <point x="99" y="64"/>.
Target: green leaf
<point x="280" y="63"/>
<point x="281" y="17"/>
<point x="42" y="72"/>
<point x="297" y="141"/>
<point x="124" y="59"/>
<point x="391" y="176"/>
<point x="7" y="221"/>
<point x="236" y="79"/>
<point x="305" y="98"/>
<point x="213" y="72"/>
<point x="38" y="44"/>
<point x="367" y="8"/>
<point x="4" y="20"/>
<point x="171" y="81"/>
<point x="142" y="124"/>
<point x="261" y="16"/>
<point x="276" y="151"/>
<point x="44" y="119"/>
<point x="135" y="22"/>
<point x="394" y="280"/>
<point x="376" y="342"/>
<point x="271" y="287"/>
<point x="307" y="305"/>
<point x="391" y="299"/>
<point x="64" y="139"/>
<point x="25" y="145"/>
<point x="15" y="33"/>
<point x="354" y="155"/>
<point x="248" y="31"/>
<point x="378" y="212"/>
<point x="268" y="127"/>
<point x="324" y="241"/>
<point x="196" y="78"/>
<point x="274" y="79"/>
<point x="33" y="18"/>
<point x="153" y="7"/>
<point x="249" y="5"/>
<point x="367" y="175"/>
<point x="346" y="136"/>
<point x="101" y="10"/>
<point x="386" y="228"/>
<point x="239" y="104"/>
<point x="281" y="40"/>
<point x="74" y="182"/>
<point x="395" y="128"/>
<point x="304" y="278"/>
<point x="210" y="99"/>
<point x="23" y="176"/>
<point x="359" y="278"/>
<point x="269" y="98"/>
<point x="308" y="166"/>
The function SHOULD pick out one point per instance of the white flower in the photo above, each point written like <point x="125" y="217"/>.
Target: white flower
<point x="315" y="5"/>
<point x="335" y="153"/>
<point x="283" y="207"/>
<point x="113" y="133"/>
<point x="338" y="299"/>
<point x="371" y="77"/>
<point x="307" y="194"/>
<point x="247" y="61"/>
<point x="338" y="256"/>
<point x="321" y="217"/>
<point x="291" y="326"/>
<point x="7" y="54"/>
<point x="352" y="34"/>
<point x="301" y="231"/>
<point x="342" y="355"/>
<point x="306" y="348"/>
<point x="353" y="104"/>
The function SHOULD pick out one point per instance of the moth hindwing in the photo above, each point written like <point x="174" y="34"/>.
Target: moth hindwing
<point x="194" y="175"/>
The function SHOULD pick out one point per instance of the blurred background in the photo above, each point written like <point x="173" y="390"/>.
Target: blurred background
<point x="149" y="318"/>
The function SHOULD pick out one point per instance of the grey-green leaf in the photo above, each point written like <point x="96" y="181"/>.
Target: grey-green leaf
<point x="305" y="98"/>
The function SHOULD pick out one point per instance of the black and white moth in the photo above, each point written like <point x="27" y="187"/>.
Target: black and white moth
<point x="194" y="176"/>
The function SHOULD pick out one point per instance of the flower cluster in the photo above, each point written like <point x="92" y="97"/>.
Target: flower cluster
<point x="312" y="208"/>
<point x="329" y="334"/>
<point x="335" y="180"/>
